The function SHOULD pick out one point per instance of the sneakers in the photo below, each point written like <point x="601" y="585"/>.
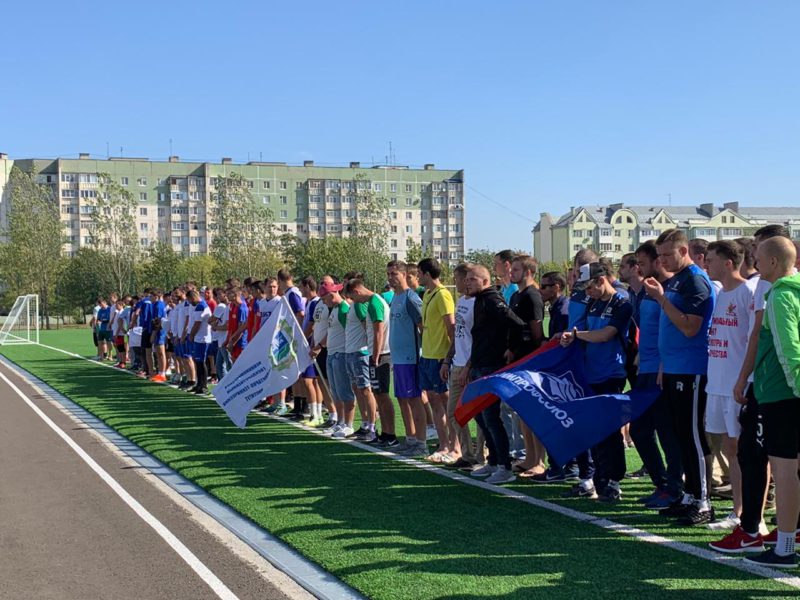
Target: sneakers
<point x="327" y="424"/>
<point x="772" y="538"/>
<point x="638" y="474"/>
<point x="768" y="558"/>
<point x="200" y="391"/>
<point x="610" y="494"/>
<point x="431" y="433"/>
<point x="281" y="410"/>
<point x="678" y="508"/>
<point x="158" y="378"/>
<point x="738" y="542"/>
<point x="552" y="475"/>
<point x="728" y="522"/>
<point x="415" y="449"/>
<point x="501" y="475"/>
<point x="332" y="429"/>
<point x="342" y="433"/>
<point x="579" y="490"/>
<point x="359" y="434"/>
<point x="697" y="516"/>
<point x="483" y="471"/>
<point x="661" y="500"/>
<point x="370" y="438"/>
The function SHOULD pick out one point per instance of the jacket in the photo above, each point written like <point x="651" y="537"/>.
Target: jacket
<point x="496" y="329"/>
<point x="777" y="370"/>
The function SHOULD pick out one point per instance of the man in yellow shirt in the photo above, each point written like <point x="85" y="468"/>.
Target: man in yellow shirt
<point x="438" y="330"/>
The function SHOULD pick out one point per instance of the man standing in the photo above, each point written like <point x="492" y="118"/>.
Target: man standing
<point x="687" y="303"/>
<point x="730" y="326"/>
<point x="607" y="321"/>
<point x="319" y="351"/>
<point x="553" y="288"/>
<point x="777" y="390"/>
<point x="200" y="335"/>
<point x="438" y="327"/>
<point x="404" y="343"/>
<point x="496" y="331"/>
<point x="502" y="270"/>
<point x="103" y="320"/>
<point x="159" y="352"/>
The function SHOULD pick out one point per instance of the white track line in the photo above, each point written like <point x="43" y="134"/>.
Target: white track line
<point x="213" y="582"/>
<point x="635" y="532"/>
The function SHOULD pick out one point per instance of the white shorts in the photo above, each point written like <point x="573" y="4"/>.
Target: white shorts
<point x="722" y="415"/>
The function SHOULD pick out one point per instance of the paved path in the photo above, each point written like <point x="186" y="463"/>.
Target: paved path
<point x="64" y="533"/>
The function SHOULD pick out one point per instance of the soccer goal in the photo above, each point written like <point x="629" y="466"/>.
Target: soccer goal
<point x="22" y="323"/>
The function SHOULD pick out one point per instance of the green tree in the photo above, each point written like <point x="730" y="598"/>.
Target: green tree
<point x="483" y="256"/>
<point x="337" y="256"/>
<point x="202" y="269"/>
<point x="243" y="242"/>
<point x="85" y="276"/>
<point x="31" y="259"/>
<point x="414" y="251"/>
<point x="114" y="231"/>
<point x="161" y="268"/>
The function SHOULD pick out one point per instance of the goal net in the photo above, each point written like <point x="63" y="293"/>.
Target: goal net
<point x="21" y="326"/>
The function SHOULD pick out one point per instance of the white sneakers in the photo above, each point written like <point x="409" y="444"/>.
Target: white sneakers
<point x="483" y="471"/>
<point x="729" y="522"/>
<point x="501" y="475"/>
<point x="341" y="432"/>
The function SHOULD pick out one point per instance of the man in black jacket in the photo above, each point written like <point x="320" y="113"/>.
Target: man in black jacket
<point x="496" y="330"/>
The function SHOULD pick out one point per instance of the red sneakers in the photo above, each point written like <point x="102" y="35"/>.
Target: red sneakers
<point x="772" y="538"/>
<point x="158" y="378"/>
<point x="738" y="541"/>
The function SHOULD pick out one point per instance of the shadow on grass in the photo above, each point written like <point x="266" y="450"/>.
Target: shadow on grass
<point x="388" y="529"/>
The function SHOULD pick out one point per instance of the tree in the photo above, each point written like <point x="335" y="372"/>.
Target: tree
<point x="161" y="268"/>
<point x="337" y="256"/>
<point x="483" y="256"/>
<point x="414" y="251"/>
<point x="85" y="276"/>
<point x="31" y="259"/>
<point x="243" y="241"/>
<point x="202" y="269"/>
<point x="114" y="231"/>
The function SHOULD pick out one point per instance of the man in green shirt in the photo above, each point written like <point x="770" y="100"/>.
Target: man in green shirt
<point x="777" y="390"/>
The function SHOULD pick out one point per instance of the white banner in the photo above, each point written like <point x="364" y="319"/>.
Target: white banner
<point x="272" y="361"/>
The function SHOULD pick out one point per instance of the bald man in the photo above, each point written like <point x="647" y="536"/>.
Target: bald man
<point x="777" y="390"/>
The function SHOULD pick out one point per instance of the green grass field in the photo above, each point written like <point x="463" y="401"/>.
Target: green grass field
<point x="388" y="529"/>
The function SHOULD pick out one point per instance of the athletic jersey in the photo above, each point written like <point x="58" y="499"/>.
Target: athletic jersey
<point x="220" y="312"/>
<point x="174" y="319"/>
<point x="436" y="305"/>
<point x="145" y="320"/>
<point x="508" y="291"/>
<point x="201" y="314"/>
<point x="691" y="292"/>
<point x="606" y="360"/>
<point x="96" y="310"/>
<point x="355" y="332"/>
<point x="559" y="316"/>
<point x="104" y="318"/>
<point x="377" y="312"/>
<point x="185" y="326"/>
<point x="465" y="318"/>
<point x="252" y="318"/>
<point x="406" y="313"/>
<point x="578" y="302"/>
<point x="159" y="310"/>
<point x="320" y="316"/>
<point x="308" y="315"/>
<point x="728" y="336"/>
<point x="649" y="315"/>
<point x="123" y="321"/>
<point x="388" y="295"/>
<point x="264" y="309"/>
<point x="337" y="319"/>
<point x="620" y="288"/>
<point x="527" y="304"/>
<point x="296" y="300"/>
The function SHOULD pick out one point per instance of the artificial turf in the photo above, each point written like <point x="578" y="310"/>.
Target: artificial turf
<point x="388" y="529"/>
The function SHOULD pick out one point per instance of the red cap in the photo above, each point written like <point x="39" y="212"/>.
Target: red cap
<point x="329" y="288"/>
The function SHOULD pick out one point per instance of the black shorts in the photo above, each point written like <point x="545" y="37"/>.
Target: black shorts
<point x="322" y="363"/>
<point x="781" y="427"/>
<point x="170" y="347"/>
<point x="381" y="377"/>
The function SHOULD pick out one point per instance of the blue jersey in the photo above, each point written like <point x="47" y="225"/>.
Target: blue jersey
<point x="607" y="359"/>
<point x="103" y="317"/>
<point x="559" y="316"/>
<point x="508" y="290"/>
<point x="404" y="339"/>
<point x="578" y="302"/>
<point x="146" y="314"/>
<point x="647" y="316"/>
<point x="620" y="288"/>
<point x="691" y="292"/>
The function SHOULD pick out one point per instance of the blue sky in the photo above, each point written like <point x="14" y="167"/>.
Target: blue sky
<point x="544" y="104"/>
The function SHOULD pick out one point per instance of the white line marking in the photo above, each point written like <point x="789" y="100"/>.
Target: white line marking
<point x="604" y="523"/>
<point x="216" y="585"/>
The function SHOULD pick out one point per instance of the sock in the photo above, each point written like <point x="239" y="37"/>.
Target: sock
<point x="334" y="416"/>
<point x="702" y="505"/>
<point x="587" y="484"/>
<point x="318" y="411"/>
<point x="785" y="545"/>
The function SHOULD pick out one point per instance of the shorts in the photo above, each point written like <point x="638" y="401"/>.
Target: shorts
<point x="147" y="336"/>
<point x="338" y="378"/>
<point x="309" y="373"/>
<point x="430" y="377"/>
<point x="104" y="335"/>
<point x="187" y="348"/>
<point x="722" y="415"/>
<point x="170" y="346"/>
<point x="159" y="337"/>
<point x="358" y="369"/>
<point x="119" y="341"/>
<point x="406" y="381"/>
<point x="322" y="363"/>
<point x="213" y="347"/>
<point x="380" y="377"/>
<point x="200" y="351"/>
<point x="781" y="421"/>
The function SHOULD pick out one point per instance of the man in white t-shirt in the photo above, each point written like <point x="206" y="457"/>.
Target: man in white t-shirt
<point x="219" y="332"/>
<point x="727" y="346"/>
<point x="200" y="335"/>
<point x="319" y="333"/>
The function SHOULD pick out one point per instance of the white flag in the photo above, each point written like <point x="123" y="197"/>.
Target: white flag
<point x="272" y="361"/>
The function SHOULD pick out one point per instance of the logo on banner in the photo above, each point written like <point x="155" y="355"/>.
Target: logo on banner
<point x="282" y="353"/>
<point x="559" y="388"/>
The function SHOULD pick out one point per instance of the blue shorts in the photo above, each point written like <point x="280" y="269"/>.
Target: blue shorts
<point x="200" y="351"/>
<point x="406" y="381"/>
<point x="187" y="349"/>
<point x="358" y="370"/>
<point x="338" y="378"/>
<point x="160" y="338"/>
<point x="430" y="379"/>
<point x="309" y="373"/>
<point x="213" y="347"/>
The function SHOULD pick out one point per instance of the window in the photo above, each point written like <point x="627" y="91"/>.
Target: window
<point x="265" y="184"/>
<point x="88" y="193"/>
<point x="265" y="199"/>
<point x="123" y="180"/>
<point x="618" y="233"/>
<point x="178" y="226"/>
<point x="392" y="187"/>
<point x="284" y="214"/>
<point x="605" y="247"/>
<point x="394" y="228"/>
<point x="142" y="226"/>
<point x="393" y="201"/>
<point x="284" y="200"/>
<point x="630" y="233"/>
<point x="424" y="229"/>
<point x="69" y="193"/>
<point x="194" y="240"/>
<point x="408" y="216"/>
<point x="394" y="215"/>
<point x="143" y="212"/>
<point x="617" y="247"/>
<point x="577" y="233"/>
<point x="408" y="187"/>
<point x="68" y="210"/>
<point x="176" y="240"/>
<point x="161" y="212"/>
<point x="409" y="229"/>
<point x="87" y="177"/>
<point x="456" y="228"/>
<point x="438" y="200"/>
<point x="731" y="231"/>
<point x="316" y="199"/>
<point x="629" y="219"/>
<point x="142" y="181"/>
<point x="142" y="196"/>
<point x="283" y="185"/>
<point x="437" y="242"/>
<point x="162" y="196"/>
<point x="298" y="185"/>
<point x="394" y="244"/>
<point x="71" y="178"/>
<point x="408" y="202"/>
<point x="376" y="187"/>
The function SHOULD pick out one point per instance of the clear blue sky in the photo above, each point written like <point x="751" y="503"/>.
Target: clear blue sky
<point x="544" y="104"/>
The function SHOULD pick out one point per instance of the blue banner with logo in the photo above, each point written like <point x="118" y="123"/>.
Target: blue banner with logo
<point x="549" y="391"/>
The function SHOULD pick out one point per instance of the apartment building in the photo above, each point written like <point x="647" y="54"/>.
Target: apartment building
<point x="175" y="199"/>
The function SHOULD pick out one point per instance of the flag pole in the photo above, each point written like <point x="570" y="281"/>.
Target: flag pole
<point x="314" y="358"/>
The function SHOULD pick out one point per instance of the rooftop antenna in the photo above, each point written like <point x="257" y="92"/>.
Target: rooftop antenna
<point x="108" y="152"/>
<point x="669" y="197"/>
<point x="170" y="146"/>
<point x="391" y="158"/>
<point x="120" y="151"/>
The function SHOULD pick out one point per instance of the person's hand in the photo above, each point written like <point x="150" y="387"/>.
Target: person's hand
<point x="444" y="372"/>
<point x="463" y="377"/>
<point x="653" y="288"/>
<point x="508" y="356"/>
<point x="739" y="390"/>
<point x="315" y="351"/>
<point x="569" y="336"/>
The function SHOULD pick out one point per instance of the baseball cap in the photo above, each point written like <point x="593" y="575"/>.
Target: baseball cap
<point x="587" y="273"/>
<point x="329" y="288"/>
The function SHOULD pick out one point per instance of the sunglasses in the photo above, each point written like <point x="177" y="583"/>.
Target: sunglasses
<point x="547" y="285"/>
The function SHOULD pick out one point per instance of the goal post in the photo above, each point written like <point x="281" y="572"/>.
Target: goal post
<point x="22" y="323"/>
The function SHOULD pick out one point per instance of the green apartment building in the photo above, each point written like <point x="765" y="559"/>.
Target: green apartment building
<point x="427" y="205"/>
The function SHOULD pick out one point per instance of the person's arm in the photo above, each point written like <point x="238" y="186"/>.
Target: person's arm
<point x="689" y="325"/>
<point x="784" y="316"/>
<point x="195" y="329"/>
<point x="378" y="339"/>
<point x="749" y="363"/>
<point x="597" y="336"/>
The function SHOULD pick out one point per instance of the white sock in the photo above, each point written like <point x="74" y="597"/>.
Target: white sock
<point x="587" y="483"/>
<point x="785" y="545"/>
<point x="316" y="411"/>
<point x="334" y="416"/>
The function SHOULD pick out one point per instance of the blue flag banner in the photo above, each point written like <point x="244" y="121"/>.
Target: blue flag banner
<point x="549" y="391"/>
